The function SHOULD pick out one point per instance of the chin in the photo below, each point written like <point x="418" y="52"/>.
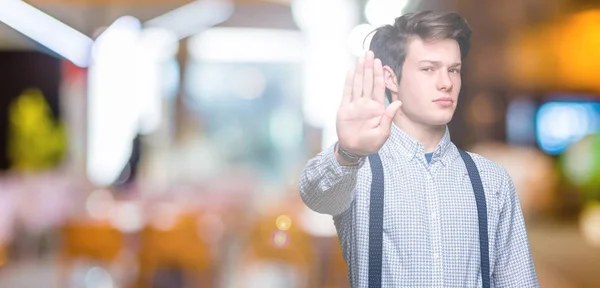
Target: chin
<point x="441" y="120"/>
<point x="440" y="123"/>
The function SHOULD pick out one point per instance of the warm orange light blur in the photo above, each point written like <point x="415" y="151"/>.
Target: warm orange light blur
<point x="283" y="222"/>
<point x="563" y="54"/>
<point x="578" y="52"/>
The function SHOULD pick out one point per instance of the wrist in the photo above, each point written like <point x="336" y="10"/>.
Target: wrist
<point x="348" y="158"/>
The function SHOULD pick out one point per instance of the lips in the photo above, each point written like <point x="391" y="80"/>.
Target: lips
<point x="444" y="102"/>
<point x="445" y="99"/>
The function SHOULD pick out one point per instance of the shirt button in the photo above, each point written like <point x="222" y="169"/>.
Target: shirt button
<point x="433" y="216"/>
<point x="436" y="256"/>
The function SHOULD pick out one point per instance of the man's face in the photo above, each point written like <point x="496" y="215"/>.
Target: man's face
<point x="430" y="81"/>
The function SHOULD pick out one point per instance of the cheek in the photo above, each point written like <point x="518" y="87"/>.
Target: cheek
<point x="457" y="82"/>
<point x="417" y="84"/>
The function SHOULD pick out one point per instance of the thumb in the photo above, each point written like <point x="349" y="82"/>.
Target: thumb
<point x="388" y="115"/>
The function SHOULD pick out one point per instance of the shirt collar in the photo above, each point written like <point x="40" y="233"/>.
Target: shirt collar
<point x="403" y="145"/>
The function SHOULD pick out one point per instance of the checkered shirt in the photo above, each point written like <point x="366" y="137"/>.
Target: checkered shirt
<point x="430" y="230"/>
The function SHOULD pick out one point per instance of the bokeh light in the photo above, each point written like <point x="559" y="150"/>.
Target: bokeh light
<point x="280" y="239"/>
<point x="283" y="222"/>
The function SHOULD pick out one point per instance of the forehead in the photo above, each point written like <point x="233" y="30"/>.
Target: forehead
<point x="444" y="50"/>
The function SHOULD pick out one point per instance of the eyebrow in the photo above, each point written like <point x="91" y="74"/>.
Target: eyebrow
<point x="438" y="63"/>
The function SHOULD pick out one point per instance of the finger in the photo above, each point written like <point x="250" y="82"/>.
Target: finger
<point x="368" y="75"/>
<point x="347" y="96"/>
<point x="379" y="82"/>
<point x="358" y="79"/>
<point x="388" y="116"/>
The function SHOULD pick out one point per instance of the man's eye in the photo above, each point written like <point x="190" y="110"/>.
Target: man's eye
<point x="455" y="71"/>
<point x="427" y="69"/>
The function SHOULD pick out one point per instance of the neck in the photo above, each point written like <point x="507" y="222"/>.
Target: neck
<point x="429" y="136"/>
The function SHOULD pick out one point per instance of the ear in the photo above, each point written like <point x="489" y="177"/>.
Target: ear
<point x="390" y="79"/>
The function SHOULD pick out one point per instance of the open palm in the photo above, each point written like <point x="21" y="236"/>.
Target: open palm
<point x="363" y="122"/>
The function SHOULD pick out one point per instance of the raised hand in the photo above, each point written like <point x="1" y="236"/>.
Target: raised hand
<point x="363" y="122"/>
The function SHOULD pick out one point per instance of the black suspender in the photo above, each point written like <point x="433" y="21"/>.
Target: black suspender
<point x="376" y="219"/>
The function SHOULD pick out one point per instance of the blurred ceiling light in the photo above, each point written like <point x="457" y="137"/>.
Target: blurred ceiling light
<point x="359" y="39"/>
<point x="194" y="17"/>
<point x="155" y="48"/>
<point x="326" y="26"/>
<point x="247" y="45"/>
<point x="113" y="100"/>
<point x="383" y="12"/>
<point x="46" y="30"/>
<point x="125" y="89"/>
<point x="124" y="30"/>
<point x="315" y="15"/>
<point x="159" y="43"/>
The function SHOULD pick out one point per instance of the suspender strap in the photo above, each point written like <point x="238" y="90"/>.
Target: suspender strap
<point x="482" y="216"/>
<point x="376" y="221"/>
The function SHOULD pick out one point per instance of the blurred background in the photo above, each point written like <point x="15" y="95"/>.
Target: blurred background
<point x="159" y="143"/>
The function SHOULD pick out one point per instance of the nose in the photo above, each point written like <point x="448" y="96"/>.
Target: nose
<point x="444" y="82"/>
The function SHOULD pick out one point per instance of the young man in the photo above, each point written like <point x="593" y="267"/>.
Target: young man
<point x="433" y="232"/>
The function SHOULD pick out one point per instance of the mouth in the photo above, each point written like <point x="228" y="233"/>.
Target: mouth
<point x="444" y="102"/>
<point x="444" y="99"/>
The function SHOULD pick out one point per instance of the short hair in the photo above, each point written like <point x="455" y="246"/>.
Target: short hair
<point x="390" y="42"/>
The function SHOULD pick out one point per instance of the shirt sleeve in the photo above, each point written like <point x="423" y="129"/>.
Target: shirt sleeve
<point x="326" y="186"/>
<point x="514" y="265"/>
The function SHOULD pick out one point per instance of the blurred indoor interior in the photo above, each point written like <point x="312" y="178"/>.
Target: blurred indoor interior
<point x="159" y="143"/>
